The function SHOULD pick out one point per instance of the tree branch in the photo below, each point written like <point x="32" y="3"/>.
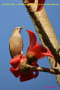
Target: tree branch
<point x="46" y="34"/>
<point x="52" y="71"/>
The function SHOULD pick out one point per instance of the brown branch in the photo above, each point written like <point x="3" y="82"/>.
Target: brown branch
<point x="49" y="70"/>
<point x="46" y="34"/>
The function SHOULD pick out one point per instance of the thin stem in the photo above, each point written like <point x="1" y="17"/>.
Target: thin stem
<point x="49" y="70"/>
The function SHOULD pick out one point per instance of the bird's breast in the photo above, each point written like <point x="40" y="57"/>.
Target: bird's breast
<point x="16" y="45"/>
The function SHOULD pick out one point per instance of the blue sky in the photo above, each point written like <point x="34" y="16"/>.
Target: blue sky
<point x="11" y="17"/>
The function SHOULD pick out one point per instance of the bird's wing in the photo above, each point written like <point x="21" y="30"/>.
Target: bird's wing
<point x="10" y="49"/>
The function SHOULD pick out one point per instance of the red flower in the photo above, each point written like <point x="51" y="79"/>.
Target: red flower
<point x="16" y="68"/>
<point x="37" y="50"/>
<point x="40" y="4"/>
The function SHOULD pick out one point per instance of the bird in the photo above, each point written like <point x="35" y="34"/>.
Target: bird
<point x="16" y="42"/>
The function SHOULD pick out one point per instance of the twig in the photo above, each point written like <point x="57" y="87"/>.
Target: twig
<point x="49" y="70"/>
<point x="46" y="34"/>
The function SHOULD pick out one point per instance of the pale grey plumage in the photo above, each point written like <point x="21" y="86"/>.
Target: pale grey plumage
<point x="16" y="42"/>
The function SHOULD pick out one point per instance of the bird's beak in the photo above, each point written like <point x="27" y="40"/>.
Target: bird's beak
<point x="21" y="28"/>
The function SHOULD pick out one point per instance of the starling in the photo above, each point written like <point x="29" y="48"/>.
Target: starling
<point x="16" y="42"/>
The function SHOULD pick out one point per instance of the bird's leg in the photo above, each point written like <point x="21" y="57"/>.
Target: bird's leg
<point x="21" y="52"/>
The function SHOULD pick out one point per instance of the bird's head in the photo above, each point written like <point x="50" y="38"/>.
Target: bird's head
<point x="18" y="29"/>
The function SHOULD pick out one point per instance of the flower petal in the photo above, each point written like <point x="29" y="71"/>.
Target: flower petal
<point x="15" y="72"/>
<point x="15" y="61"/>
<point x="26" y="76"/>
<point x="40" y="51"/>
<point x="36" y="51"/>
<point x="51" y="55"/>
<point x="32" y="38"/>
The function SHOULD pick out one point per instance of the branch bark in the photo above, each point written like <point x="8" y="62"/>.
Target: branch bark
<point x="52" y="71"/>
<point x="46" y="34"/>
